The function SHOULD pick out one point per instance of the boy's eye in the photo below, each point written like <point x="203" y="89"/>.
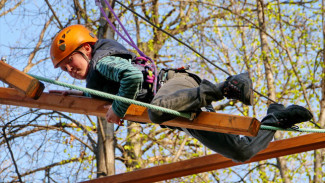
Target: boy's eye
<point x="64" y="68"/>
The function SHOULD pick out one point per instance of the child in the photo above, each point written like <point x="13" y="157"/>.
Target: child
<point x="106" y="66"/>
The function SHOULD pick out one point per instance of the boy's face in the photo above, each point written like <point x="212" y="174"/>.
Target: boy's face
<point x="75" y="64"/>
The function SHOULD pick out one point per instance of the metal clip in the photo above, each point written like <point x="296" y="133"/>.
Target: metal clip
<point x="3" y="59"/>
<point x="193" y="116"/>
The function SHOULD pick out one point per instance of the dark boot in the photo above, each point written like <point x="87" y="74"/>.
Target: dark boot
<point x="239" y="87"/>
<point x="279" y="116"/>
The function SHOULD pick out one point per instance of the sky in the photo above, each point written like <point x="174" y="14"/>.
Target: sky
<point x="17" y="30"/>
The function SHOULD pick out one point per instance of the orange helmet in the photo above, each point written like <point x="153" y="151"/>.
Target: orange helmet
<point x="68" y="40"/>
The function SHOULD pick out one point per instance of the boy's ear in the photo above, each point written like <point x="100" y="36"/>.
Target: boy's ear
<point x="87" y="48"/>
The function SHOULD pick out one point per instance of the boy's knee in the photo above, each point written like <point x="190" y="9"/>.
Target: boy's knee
<point x="159" y="117"/>
<point x="242" y="155"/>
<point x="155" y="116"/>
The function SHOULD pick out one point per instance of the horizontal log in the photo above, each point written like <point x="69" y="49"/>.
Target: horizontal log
<point x="26" y="84"/>
<point x="215" y="161"/>
<point x="208" y="121"/>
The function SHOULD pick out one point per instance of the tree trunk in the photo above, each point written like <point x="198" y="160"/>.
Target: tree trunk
<point x="318" y="154"/>
<point x="106" y="142"/>
<point x="105" y="148"/>
<point x="265" y="50"/>
<point x="269" y="78"/>
<point x="135" y="144"/>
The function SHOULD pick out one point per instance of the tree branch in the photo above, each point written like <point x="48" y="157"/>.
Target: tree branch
<point x="63" y="162"/>
<point x="84" y="129"/>
<point x="2" y="3"/>
<point x="37" y="47"/>
<point x="37" y="128"/>
<point x="11" y="153"/>
<point x="54" y="14"/>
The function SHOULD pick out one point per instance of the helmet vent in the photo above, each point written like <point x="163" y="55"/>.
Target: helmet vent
<point x="61" y="41"/>
<point x="63" y="36"/>
<point x="62" y="47"/>
<point x="92" y="35"/>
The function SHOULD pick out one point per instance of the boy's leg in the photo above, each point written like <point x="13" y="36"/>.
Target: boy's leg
<point x="242" y="148"/>
<point x="183" y="93"/>
<point x="236" y="147"/>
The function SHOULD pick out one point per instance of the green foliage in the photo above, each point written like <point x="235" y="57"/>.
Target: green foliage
<point x="231" y="40"/>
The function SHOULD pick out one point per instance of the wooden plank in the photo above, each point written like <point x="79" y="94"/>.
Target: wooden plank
<point x="208" y="121"/>
<point x="50" y="101"/>
<point x="28" y="85"/>
<point x="224" y="123"/>
<point x="215" y="161"/>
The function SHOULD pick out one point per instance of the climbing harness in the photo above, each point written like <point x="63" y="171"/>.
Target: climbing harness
<point x="148" y="71"/>
<point x="167" y="73"/>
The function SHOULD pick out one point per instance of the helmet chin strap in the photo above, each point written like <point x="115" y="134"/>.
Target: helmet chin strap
<point x="83" y="55"/>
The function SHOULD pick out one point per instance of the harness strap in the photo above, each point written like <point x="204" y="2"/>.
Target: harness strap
<point x="148" y="71"/>
<point x="130" y="41"/>
<point x="168" y="73"/>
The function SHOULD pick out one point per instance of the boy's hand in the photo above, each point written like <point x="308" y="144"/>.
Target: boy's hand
<point x="67" y="92"/>
<point x="111" y="117"/>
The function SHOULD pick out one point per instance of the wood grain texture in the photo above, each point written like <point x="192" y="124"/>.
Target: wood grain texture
<point x="26" y="84"/>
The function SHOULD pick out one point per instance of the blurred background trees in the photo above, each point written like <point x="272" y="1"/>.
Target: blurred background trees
<point x="280" y="44"/>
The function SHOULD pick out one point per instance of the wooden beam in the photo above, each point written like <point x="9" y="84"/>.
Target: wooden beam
<point x="51" y="101"/>
<point x="208" y="121"/>
<point x="215" y="161"/>
<point x="28" y="85"/>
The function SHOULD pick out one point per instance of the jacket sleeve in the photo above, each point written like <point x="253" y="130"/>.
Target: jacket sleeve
<point x="122" y="71"/>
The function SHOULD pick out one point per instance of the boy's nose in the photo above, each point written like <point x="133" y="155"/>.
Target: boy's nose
<point x="69" y="69"/>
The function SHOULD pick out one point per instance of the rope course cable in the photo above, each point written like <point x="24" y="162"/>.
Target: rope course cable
<point x="154" y="107"/>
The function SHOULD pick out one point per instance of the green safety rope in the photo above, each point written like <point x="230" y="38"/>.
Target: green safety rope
<point x="266" y="127"/>
<point x="154" y="107"/>
<point x="114" y="97"/>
